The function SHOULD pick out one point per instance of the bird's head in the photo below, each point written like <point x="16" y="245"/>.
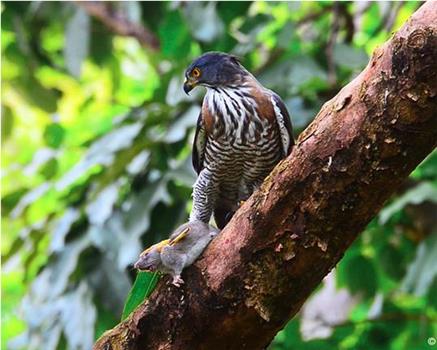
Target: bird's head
<point x="213" y="69"/>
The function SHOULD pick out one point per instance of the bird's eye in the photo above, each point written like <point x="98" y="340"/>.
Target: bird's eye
<point x="196" y="72"/>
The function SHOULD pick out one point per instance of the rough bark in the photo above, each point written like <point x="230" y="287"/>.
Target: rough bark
<point x="278" y="247"/>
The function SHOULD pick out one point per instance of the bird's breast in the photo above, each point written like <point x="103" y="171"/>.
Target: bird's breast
<point x="234" y="116"/>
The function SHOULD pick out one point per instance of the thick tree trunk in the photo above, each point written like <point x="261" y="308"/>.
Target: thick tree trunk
<point x="278" y="247"/>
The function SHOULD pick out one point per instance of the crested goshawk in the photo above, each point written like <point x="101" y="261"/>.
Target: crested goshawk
<point x="243" y="131"/>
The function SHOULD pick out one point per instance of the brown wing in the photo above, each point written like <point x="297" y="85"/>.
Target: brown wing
<point x="199" y="143"/>
<point x="284" y="123"/>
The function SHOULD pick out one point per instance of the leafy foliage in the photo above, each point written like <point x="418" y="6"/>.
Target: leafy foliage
<point x="96" y="149"/>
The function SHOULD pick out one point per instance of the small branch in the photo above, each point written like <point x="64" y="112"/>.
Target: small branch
<point x="312" y="16"/>
<point x="117" y="23"/>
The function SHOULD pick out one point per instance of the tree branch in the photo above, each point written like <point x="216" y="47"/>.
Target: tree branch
<point x="117" y="23"/>
<point x="278" y="247"/>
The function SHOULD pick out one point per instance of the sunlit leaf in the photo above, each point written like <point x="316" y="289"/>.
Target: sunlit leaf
<point x="359" y="275"/>
<point x="423" y="270"/>
<point x="204" y="23"/>
<point x="100" y="209"/>
<point x="7" y="123"/>
<point x="54" y="135"/>
<point x="78" y="316"/>
<point x="101" y="152"/>
<point x="349" y="57"/>
<point x="177" y="131"/>
<point x="305" y="70"/>
<point x="61" y="229"/>
<point x="29" y="198"/>
<point x="10" y="200"/>
<point x="173" y="34"/>
<point x="420" y="193"/>
<point x="33" y="91"/>
<point x="77" y="37"/>
<point x="49" y="169"/>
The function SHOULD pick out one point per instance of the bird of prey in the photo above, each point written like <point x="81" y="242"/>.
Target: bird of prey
<point x="243" y="131"/>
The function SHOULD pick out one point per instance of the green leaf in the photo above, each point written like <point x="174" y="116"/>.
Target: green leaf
<point x="350" y="57"/>
<point x="428" y="168"/>
<point x="15" y="247"/>
<point x="419" y="194"/>
<point x="29" y="198"/>
<point x="62" y="227"/>
<point x="359" y="275"/>
<point x="177" y="130"/>
<point x="301" y="113"/>
<point x="77" y="37"/>
<point x="392" y="262"/>
<point x="205" y="25"/>
<point x="174" y="36"/>
<point x="101" y="152"/>
<point x="101" y="46"/>
<point x="143" y="286"/>
<point x="423" y="270"/>
<point x="54" y="135"/>
<point x="230" y="10"/>
<point x="306" y="72"/>
<point x="432" y="294"/>
<point x="7" y="122"/>
<point x="49" y="169"/>
<point x="10" y="200"/>
<point x="36" y="94"/>
<point x="286" y="35"/>
<point x="100" y="208"/>
<point x="78" y="316"/>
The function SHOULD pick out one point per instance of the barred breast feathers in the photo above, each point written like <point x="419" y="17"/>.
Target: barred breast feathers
<point x="237" y="113"/>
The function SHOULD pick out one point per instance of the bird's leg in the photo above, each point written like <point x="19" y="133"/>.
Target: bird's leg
<point x="227" y="201"/>
<point x="204" y="196"/>
<point x="244" y="195"/>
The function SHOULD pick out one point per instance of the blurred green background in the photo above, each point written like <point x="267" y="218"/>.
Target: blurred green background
<point x="96" y="144"/>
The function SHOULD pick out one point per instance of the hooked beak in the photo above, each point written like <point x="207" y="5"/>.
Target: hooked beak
<point x="189" y="85"/>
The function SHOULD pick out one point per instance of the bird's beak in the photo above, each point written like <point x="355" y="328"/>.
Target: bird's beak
<point x="189" y="85"/>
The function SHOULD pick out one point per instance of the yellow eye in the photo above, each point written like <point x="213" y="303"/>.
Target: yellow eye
<point x="196" y="72"/>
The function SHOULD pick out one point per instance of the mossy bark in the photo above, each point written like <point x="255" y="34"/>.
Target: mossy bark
<point x="259" y="271"/>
